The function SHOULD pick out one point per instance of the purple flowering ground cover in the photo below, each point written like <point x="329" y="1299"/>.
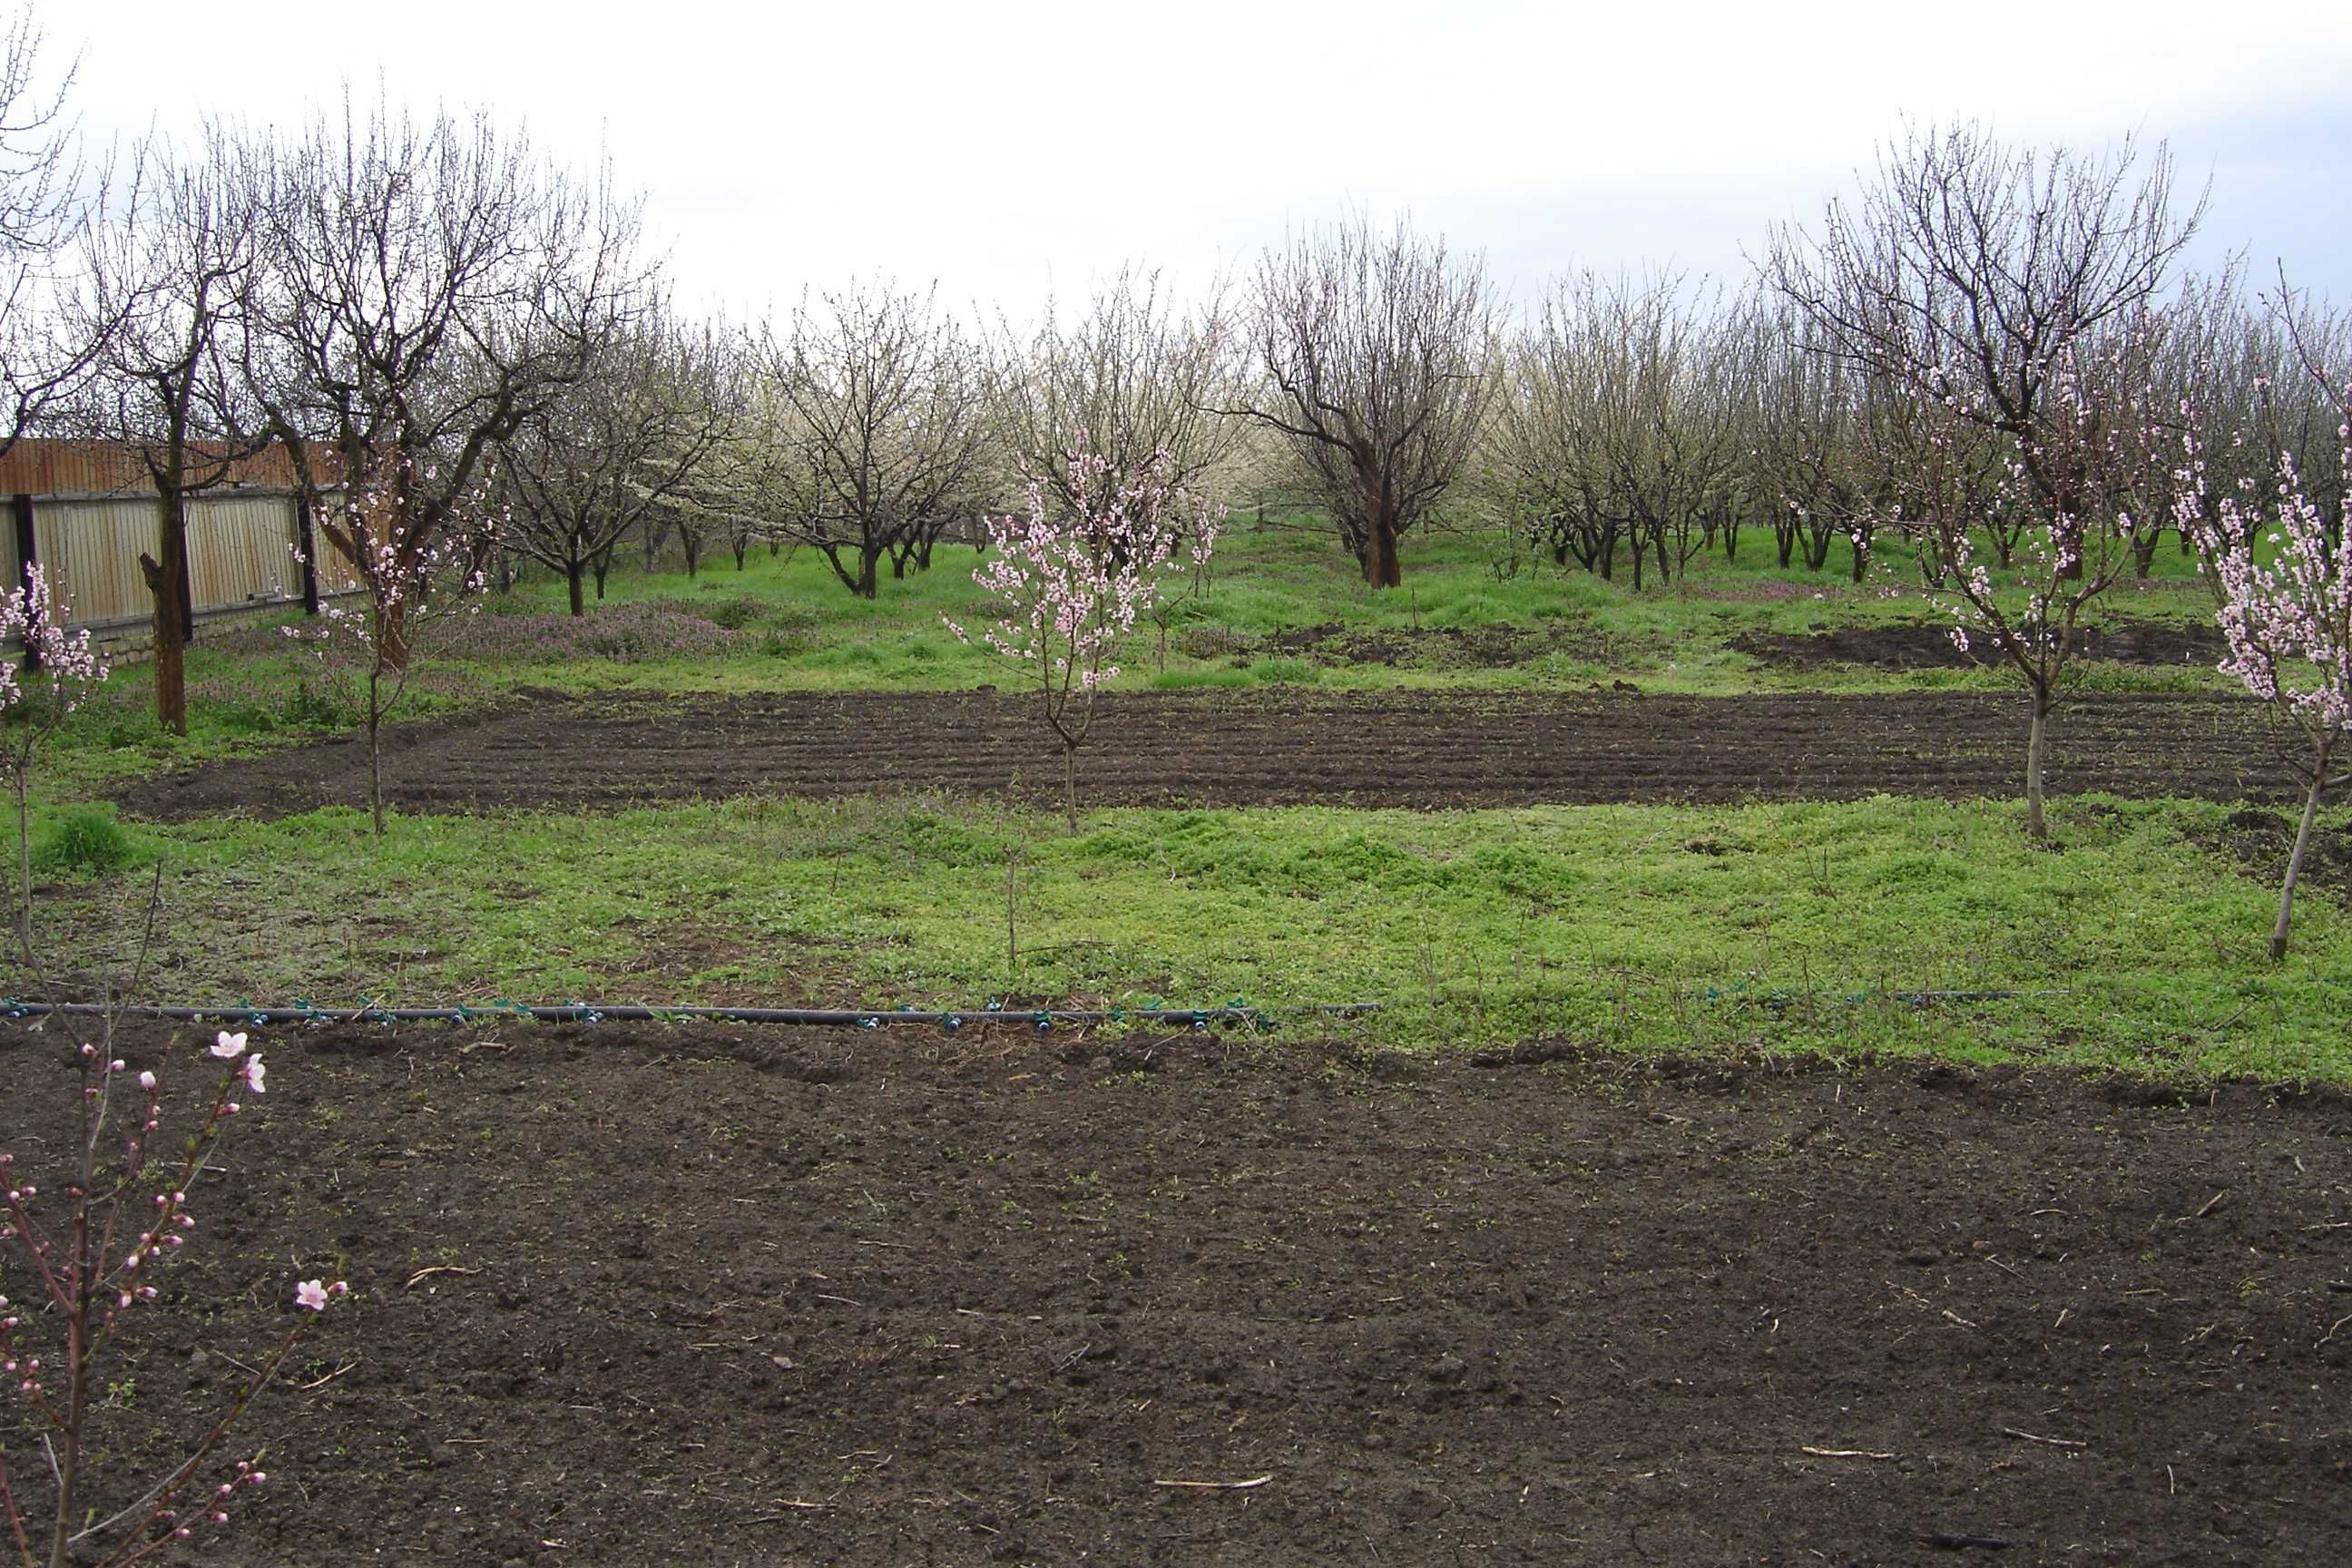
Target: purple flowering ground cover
<point x="627" y="1295"/>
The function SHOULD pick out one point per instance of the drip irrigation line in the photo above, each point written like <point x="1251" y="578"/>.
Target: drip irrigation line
<point x="1780" y="1000"/>
<point x="1043" y="1019"/>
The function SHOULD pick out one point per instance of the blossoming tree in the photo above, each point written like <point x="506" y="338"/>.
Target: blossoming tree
<point x="2081" y="487"/>
<point x="408" y="581"/>
<point x="60" y="668"/>
<point x="1074" y="580"/>
<point x="2283" y="579"/>
<point x="2004" y="296"/>
<point x="125" y="1214"/>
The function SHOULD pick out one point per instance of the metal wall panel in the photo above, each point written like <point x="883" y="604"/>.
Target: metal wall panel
<point x="89" y="550"/>
<point x="241" y="550"/>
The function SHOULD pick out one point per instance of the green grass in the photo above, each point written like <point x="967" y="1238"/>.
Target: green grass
<point x="1770" y="928"/>
<point x="1765" y="928"/>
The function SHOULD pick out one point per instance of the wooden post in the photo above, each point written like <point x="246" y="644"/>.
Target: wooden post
<point x="187" y="574"/>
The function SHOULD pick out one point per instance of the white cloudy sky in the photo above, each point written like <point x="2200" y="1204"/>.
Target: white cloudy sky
<point x="1011" y="148"/>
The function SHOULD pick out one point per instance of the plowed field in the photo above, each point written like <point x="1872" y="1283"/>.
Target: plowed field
<point x="634" y="1295"/>
<point x="1417" y="749"/>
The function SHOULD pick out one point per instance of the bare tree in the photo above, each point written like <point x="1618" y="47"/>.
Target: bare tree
<point x="170" y="282"/>
<point x="1374" y="350"/>
<point x="44" y="349"/>
<point x="633" y="436"/>
<point x="431" y="289"/>
<point x="1808" y="434"/>
<point x="1133" y="377"/>
<point x="2003" y="295"/>
<point x="1619" y="424"/>
<point x="875" y="407"/>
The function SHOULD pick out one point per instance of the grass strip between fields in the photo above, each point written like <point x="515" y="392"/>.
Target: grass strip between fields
<point x="1770" y="928"/>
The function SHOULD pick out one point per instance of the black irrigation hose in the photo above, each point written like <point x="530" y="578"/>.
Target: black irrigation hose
<point x="302" y="1012"/>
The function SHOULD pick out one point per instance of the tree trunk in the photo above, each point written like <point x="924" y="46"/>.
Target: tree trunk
<point x="572" y="573"/>
<point x="24" y="901"/>
<point x="2294" y="858"/>
<point x="2036" y="825"/>
<point x="374" y="724"/>
<point x="167" y="580"/>
<point x="1382" y="567"/>
<point x="78" y="1353"/>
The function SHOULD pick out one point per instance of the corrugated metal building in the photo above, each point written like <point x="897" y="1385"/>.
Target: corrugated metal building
<point x="87" y="510"/>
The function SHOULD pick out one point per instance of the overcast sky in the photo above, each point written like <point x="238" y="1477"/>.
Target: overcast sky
<point x="1012" y="149"/>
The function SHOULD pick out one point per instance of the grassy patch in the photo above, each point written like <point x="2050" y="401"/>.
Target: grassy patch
<point x="1764" y="928"/>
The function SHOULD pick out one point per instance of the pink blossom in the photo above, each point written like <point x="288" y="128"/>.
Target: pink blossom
<point x="147" y="1081"/>
<point x="312" y="1295"/>
<point x="252" y="1071"/>
<point x="225" y="1045"/>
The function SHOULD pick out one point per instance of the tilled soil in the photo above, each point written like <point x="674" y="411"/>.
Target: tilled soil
<point x="1931" y="647"/>
<point x="1419" y="750"/>
<point x="630" y="1295"/>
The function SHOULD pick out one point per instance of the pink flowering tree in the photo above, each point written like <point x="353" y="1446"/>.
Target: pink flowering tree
<point x="60" y="668"/>
<point x="409" y="580"/>
<point x="2073" y="490"/>
<point x="1074" y="579"/>
<point x="2283" y="579"/>
<point x="2004" y="296"/>
<point x="125" y="1210"/>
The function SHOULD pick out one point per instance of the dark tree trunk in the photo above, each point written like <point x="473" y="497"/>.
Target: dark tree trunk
<point x="574" y="569"/>
<point x="167" y="581"/>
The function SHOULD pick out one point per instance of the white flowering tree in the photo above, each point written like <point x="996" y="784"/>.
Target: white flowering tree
<point x="58" y="670"/>
<point x="2283" y="579"/>
<point x="1074" y="581"/>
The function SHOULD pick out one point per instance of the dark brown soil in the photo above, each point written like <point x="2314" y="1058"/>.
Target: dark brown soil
<point x="1401" y="749"/>
<point x="633" y="1295"/>
<point x="2262" y="840"/>
<point x="1332" y="645"/>
<point x="1931" y="647"/>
